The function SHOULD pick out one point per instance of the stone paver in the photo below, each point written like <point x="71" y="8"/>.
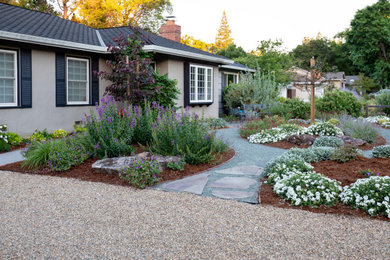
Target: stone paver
<point x="232" y="194"/>
<point x="233" y="183"/>
<point x="242" y="170"/>
<point x="11" y="157"/>
<point x="192" y="184"/>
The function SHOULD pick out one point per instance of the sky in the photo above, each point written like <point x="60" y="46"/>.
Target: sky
<point x="254" y="20"/>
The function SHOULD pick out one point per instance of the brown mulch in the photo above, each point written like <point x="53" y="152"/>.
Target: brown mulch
<point x="84" y="171"/>
<point x="287" y="145"/>
<point x="14" y="148"/>
<point x="346" y="173"/>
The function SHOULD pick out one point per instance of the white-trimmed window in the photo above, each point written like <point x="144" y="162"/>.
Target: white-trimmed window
<point x="231" y="78"/>
<point x="201" y="84"/>
<point x="77" y="85"/>
<point x="8" y="78"/>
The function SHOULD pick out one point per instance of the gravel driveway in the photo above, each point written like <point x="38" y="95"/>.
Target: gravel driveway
<point x="48" y="217"/>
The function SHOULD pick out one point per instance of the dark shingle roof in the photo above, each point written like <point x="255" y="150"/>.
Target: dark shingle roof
<point x="351" y="79"/>
<point x="152" y="39"/>
<point x="335" y="75"/>
<point x="24" y="21"/>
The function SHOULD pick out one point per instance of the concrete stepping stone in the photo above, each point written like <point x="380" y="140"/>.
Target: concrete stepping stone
<point x="232" y="194"/>
<point x="11" y="157"/>
<point x="243" y="170"/>
<point x="193" y="184"/>
<point x="233" y="183"/>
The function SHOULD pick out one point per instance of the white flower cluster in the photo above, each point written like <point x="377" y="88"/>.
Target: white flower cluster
<point x="286" y="168"/>
<point x="386" y="124"/>
<point x="323" y="129"/>
<point x="308" y="189"/>
<point x="370" y="194"/>
<point x="377" y="119"/>
<point x="3" y="133"/>
<point x="275" y="134"/>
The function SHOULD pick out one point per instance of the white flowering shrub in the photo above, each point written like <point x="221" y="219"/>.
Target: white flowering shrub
<point x="376" y="119"/>
<point x="324" y="128"/>
<point x="278" y="160"/>
<point x="267" y="136"/>
<point x="291" y="129"/>
<point x="385" y="124"/>
<point x="382" y="151"/>
<point x="3" y="133"/>
<point x="370" y="194"/>
<point x="308" y="189"/>
<point x="287" y="167"/>
<point x="328" y="141"/>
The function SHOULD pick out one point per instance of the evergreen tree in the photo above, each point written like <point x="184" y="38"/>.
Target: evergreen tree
<point x="223" y="39"/>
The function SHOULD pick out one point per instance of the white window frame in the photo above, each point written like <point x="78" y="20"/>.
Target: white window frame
<point x="14" y="104"/>
<point x="236" y="77"/>
<point x="67" y="82"/>
<point x="196" y="100"/>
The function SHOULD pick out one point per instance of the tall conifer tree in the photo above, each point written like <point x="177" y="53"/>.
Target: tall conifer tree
<point x="223" y="39"/>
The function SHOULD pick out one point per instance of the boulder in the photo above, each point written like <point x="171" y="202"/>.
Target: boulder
<point x="301" y="139"/>
<point x="116" y="164"/>
<point x="348" y="140"/>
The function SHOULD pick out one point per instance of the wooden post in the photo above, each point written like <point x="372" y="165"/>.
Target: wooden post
<point x="367" y="109"/>
<point x="127" y="76"/>
<point x="312" y="91"/>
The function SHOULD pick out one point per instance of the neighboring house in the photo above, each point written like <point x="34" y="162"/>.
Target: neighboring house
<point x="300" y="87"/>
<point x="47" y="64"/>
<point x="350" y="82"/>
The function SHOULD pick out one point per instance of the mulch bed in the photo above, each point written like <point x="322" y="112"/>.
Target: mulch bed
<point x="287" y="145"/>
<point x="346" y="173"/>
<point x="14" y="148"/>
<point x="84" y="171"/>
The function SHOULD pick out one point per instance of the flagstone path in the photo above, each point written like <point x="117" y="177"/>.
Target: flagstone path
<point x="238" y="179"/>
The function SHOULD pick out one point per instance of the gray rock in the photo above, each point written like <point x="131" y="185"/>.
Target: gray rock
<point x="349" y="140"/>
<point x="116" y="164"/>
<point x="301" y="139"/>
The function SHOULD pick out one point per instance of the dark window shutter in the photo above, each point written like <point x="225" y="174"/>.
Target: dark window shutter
<point x="60" y="80"/>
<point x="95" y="81"/>
<point x="26" y="79"/>
<point x="186" y="84"/>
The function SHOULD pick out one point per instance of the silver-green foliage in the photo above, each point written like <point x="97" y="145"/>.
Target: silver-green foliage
<point x="382" y="151"/>
<point x="257" y="88"/>
<point x="328" y="141"/>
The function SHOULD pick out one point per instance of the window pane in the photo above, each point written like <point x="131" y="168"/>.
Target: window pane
<point x="209" y="84"/>
<point x="77" y="80"/>
<point x="7" y="65"/>
<point x="201" y="84"/>
<point x="7" y="94"/>
<point x="192" y="84"/>
<point x="77" y="91"/>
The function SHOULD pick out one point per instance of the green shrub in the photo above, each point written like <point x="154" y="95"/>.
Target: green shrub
<point x="382" y="151"/>
<point x="328" y="141"/>
<point x="60" y="133"/>
<point x="14" y="139"/>
<point x="383" y="99"/>
<point x="334" y="121"/>
<point x="323" y="129"/>
<point x="345" y="154"/>
<point x="79" y="129"/>
<point x="37" y="155"/>
<point x="217" y="123"/>
<point x="177" y="166"/>
<point x="4" y="146"/>
<point x="322" y="153"/>
<point x="287" y="167"/>
<point x="308" y="189"/>
<point x="164" y="90"/>
<point x="142" y="173"/>
<point x="257" y="125"/>
<point x="144" y="122"/>
<point x="371" y="195"/>
<point x="292" y="108"/>
<point x="358" y="128"/>
<point x="339" y="102"/>
<point x="313" y="154"/>
<point x="66" y="153"/>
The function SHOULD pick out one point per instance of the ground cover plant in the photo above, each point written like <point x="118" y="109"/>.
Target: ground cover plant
<point x="217" y="123"/>
<point x="142" y="173"/>
<point x="328" y="141"/>
<point x="4" y="146"/>
<point x="358" y="128"/>
<point x="382" y="151"/>
<point x="255" y="126"/>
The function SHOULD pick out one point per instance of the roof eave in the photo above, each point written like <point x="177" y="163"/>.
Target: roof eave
<point x="186" y="54"/>
<point x="52" y="42"/>
<point x="236" y="68"/>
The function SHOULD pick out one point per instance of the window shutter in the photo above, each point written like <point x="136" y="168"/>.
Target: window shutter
<point x="186" y="84"/>
<point x="60" y="80"/>
<point x="26" y="78"/>
<point x="95" y="81"/>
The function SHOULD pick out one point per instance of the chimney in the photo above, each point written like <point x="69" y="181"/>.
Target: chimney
<point x="171" y="31"/>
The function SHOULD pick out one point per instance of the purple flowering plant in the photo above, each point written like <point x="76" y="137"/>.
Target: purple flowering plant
<point x="142" y="173"/>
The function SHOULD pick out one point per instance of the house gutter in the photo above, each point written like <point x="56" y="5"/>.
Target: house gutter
<point x="186" y="54"/>
<point x="236" y="68"/>
<point x="52" y="42"/>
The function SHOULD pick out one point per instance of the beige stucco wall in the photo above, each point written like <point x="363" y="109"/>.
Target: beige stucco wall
<point x="44" y="113"/>
<point x="175" y="70"/>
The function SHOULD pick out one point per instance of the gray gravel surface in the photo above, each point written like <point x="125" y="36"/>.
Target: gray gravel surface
<point x="49" y="217"/>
